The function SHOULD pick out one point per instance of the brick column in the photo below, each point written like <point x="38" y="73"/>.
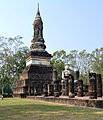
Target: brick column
<point x="99" y="85"/>
<point x="63" y="88"/>
<point x="92" y="86"/>
<point x="71" y="86"/>
<point x="55" y="75"/>
<point x="66" y="87"/>
<point x="80" y="88"/>
<point x="77" y="75"/>
<point x="50" y="90"/>
<point x="56" y="89"/>
<point x="56" y="85"/>
<point x="45" y="90"/>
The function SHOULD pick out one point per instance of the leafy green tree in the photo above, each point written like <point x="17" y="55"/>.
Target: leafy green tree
<point x="12" y="60"/>
<point x="84" y="65"/>
<point x="97" y="61"/>
<point x="77" y="61"/>
<point x="73" y="60"/>
<point x="58" y="61"/>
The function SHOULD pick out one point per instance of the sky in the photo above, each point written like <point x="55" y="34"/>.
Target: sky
<point x="67" y="24"/>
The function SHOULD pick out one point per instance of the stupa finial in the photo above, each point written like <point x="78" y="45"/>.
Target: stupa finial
<point x="38" y="13"/>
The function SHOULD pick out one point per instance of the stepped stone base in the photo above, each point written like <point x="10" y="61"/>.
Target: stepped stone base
<point x="77" y="101"/>
<point x="32" y="80"/>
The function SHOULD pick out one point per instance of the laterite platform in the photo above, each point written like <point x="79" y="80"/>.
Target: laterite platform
<point x="77" y="101"/>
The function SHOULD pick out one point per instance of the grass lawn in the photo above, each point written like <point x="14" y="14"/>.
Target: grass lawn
<point x="24" y="109"/>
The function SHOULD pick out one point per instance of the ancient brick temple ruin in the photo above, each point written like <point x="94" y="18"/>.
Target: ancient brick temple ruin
<point x="38" y="70"/>
<point x="40" y="81"/>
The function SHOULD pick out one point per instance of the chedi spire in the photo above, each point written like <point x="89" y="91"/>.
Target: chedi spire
<point x="37" y="42"/>
<point x="38" y="14"/>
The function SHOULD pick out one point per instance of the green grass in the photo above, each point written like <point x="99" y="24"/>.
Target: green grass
<point x="24" y="109"/>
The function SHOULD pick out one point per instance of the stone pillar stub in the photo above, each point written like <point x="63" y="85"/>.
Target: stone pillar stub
<point x="71" y="86"/>
<point x="56" y="83"/>
<point x="50" y="89"/>
<point x="92" y="86"/>
<point x="45" y="90"/>
<point x="56" y="89"/>
<point x="66" y="87"/>
<point x="77" y="75"/>
<point x="99" y="85"/>
<point x="63" y="87"/>
<point x="55" y="75"/>
<point x="80" y="88"/>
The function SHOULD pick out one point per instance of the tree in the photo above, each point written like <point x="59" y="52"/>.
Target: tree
<point x="12" y="60"/>
<point x="60" y="58"/>
<point x="58" y="61"/>
<point x="97" y="61"/>
<point x="77" y="61"/>
<point x="73" y="60"/>
<point x="84" y="65"/>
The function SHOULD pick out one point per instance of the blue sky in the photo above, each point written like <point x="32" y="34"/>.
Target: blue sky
<point x="68" y="24"/>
